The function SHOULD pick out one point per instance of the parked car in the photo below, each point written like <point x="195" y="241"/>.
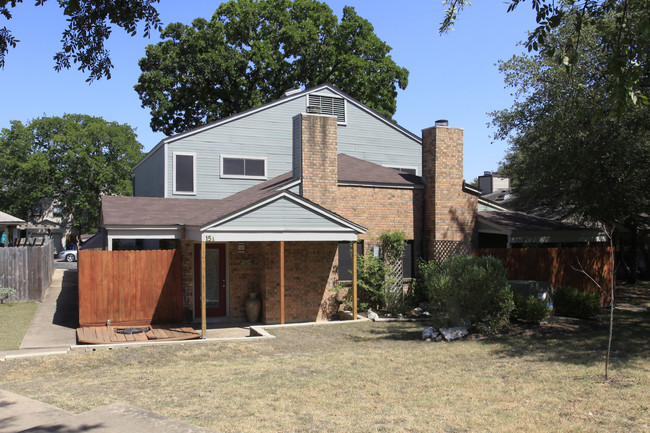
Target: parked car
<point x="68" y="255"/>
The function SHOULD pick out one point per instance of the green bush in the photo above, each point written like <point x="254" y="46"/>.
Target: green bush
<point x="529" y="309"/>
<point x="372" y="279"/>
<point x="469" y="288"/>
<point x="570" y="302"/>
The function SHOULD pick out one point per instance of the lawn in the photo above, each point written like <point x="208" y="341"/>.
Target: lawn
<point x="14" y="321"/>
<point x="370" y="377"/>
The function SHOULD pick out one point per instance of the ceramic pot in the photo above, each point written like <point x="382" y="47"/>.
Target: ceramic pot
<point x="253" y="307"/>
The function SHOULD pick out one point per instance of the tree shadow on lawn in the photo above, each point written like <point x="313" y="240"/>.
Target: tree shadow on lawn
<point x="630" y="342"/>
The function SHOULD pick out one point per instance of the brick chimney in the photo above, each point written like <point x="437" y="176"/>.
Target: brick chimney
<point x="449" y="212"/>
<point x="315" y="157"/>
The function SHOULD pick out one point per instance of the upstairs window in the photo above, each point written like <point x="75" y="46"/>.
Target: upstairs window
<point x="184" y="173"/>
<point x="329" y="105"/>
<point x="243" y="167"/>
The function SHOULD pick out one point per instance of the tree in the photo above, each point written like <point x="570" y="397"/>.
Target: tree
<point x="73" y="159"/>
<point x="623" y="28"/>
<point x="569" y="145"/>
<point x="88" y="29"/>
<point x="251" y="52"/>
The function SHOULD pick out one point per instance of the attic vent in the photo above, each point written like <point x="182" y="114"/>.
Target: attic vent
<point x="329" y="105"/>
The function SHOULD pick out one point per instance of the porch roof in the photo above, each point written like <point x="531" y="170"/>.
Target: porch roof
<point x="266" y="212"/>
<point x="6" y="219"/>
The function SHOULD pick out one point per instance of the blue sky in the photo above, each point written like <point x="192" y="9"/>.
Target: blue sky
<point x="452" y="76"/>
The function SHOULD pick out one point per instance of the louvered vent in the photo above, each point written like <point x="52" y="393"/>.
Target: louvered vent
<point x="329" y="105"/>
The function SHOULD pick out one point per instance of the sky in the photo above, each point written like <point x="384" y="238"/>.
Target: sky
<point x="452" y="76"/>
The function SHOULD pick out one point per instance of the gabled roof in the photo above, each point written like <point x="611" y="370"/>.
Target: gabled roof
<point x="282" y="100"/>
<point x="208" y="213"/>
<point x="156" y="211"/>
<point x="7" y="219"/>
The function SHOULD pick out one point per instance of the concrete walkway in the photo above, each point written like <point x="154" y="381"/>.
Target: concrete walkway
<point x="55" y="322"/>
<point x="21" y="414"/>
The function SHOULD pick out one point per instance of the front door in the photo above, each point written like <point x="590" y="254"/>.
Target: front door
<point x="215" y="280"/>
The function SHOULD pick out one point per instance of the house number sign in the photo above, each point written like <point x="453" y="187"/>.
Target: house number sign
<point x="209" y="238"/>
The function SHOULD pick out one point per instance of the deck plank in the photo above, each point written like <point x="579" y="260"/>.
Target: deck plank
<point x="107" y="335"/>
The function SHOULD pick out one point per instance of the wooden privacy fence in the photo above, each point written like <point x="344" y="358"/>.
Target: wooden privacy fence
<point x="556" y="265"/>
<point x="27" y="270"/>
<point x="130" y="287"/>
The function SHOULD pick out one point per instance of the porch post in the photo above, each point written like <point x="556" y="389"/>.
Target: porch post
<point x="281" y="282"/>
<point x="354" y="280"/>
<point x="203" y="309"/>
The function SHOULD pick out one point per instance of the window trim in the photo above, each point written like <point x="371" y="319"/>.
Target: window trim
<point x="400" y="167"/>
<point x="193" y="155"/>
<point x="243" y="176"/>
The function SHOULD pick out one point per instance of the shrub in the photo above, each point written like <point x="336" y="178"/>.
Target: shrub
<point x="529" y="309"/>
<point x="571" y="302"/>
<point x="6" y="293"/>
<point x="470" y="288"/>
<point x="372" y="279"/>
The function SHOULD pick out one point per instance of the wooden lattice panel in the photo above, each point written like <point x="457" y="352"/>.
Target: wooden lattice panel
<point x="446" y="249"/>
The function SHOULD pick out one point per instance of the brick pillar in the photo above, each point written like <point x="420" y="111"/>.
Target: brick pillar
<point x="315" y="157"/>
<point x="449" y="212"/>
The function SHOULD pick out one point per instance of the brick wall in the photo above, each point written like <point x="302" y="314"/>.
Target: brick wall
<point x="309" y="278"/>
<point x="449" y="212"/>
<point x="383" y="210"/>
<point x="318" y="165"/>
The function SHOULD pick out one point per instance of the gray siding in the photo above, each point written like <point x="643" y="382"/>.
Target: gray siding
<point x="281" y="214"/>
<point x="269" y="133"/>
<point x="149" y="178"/>
<point x="368" y="138"/>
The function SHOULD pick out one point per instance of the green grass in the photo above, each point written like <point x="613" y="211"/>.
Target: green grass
<point x="371" y="377"/>
<point x="14" y="321"/>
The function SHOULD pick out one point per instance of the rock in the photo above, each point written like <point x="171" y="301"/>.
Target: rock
<point x="372" y="315"/>
<point x="400" y="316"/>
<point x="455" y="333"/>
<point x="428" y="333"/>
<point x="389" y="315"/>
<point x="426" y="313"/>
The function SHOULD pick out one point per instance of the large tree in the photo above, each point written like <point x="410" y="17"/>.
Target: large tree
<point x="89" y="26"/>
<point x="623" y="28"/>
<point x="72" y="159"/>
<point x="251" y="52"/>
<point x="571" y="146"/>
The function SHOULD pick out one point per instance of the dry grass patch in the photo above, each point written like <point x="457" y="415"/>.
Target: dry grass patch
<point x="373" y="377"/>
<point x="14" y="321"/>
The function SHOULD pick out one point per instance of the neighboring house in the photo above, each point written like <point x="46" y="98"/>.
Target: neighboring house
<point x="46" y="220"/>
<point x="509" y="229"/>
<point x="8" y="232"/>
<point x="269" y="200"/>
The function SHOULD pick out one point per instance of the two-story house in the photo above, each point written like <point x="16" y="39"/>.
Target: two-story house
<point x="269" y="200"/>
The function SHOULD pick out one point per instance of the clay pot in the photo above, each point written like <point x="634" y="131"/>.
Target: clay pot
<point x="253" y="307"/>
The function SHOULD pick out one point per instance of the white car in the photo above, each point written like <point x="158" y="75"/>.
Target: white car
<point x="68" y="255"/>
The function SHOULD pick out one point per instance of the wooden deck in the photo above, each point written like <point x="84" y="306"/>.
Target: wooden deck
<point x="108" y="334"/>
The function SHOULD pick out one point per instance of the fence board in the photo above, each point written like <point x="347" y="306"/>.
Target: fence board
<point x="130" y="287"/>
<point x="556" y="265"/>
<point x="27" y="270"/>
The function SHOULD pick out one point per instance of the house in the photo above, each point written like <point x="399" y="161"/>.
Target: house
<point x="8" y="224"/>
<point x="271" y="199"/>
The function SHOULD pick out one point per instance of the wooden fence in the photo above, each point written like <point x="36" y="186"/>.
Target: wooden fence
<point x="27" y="270"/>
<point x="556" y="265"/>
<point x="130" y="287"/>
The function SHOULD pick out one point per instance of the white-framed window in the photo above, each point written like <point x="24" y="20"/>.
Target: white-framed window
<point x="184" y="173"/>
<point x="243" y="167"/>
<point x="404" y="169"/>
<point x="330" y="105"/>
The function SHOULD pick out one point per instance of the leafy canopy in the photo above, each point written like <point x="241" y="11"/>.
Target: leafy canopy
<point x="623" y="28"/>
<point x="251" y="52"/>
<point x="88" y="29"/>
<point x="73" y="159"/>
<point x="571" y="145"/>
